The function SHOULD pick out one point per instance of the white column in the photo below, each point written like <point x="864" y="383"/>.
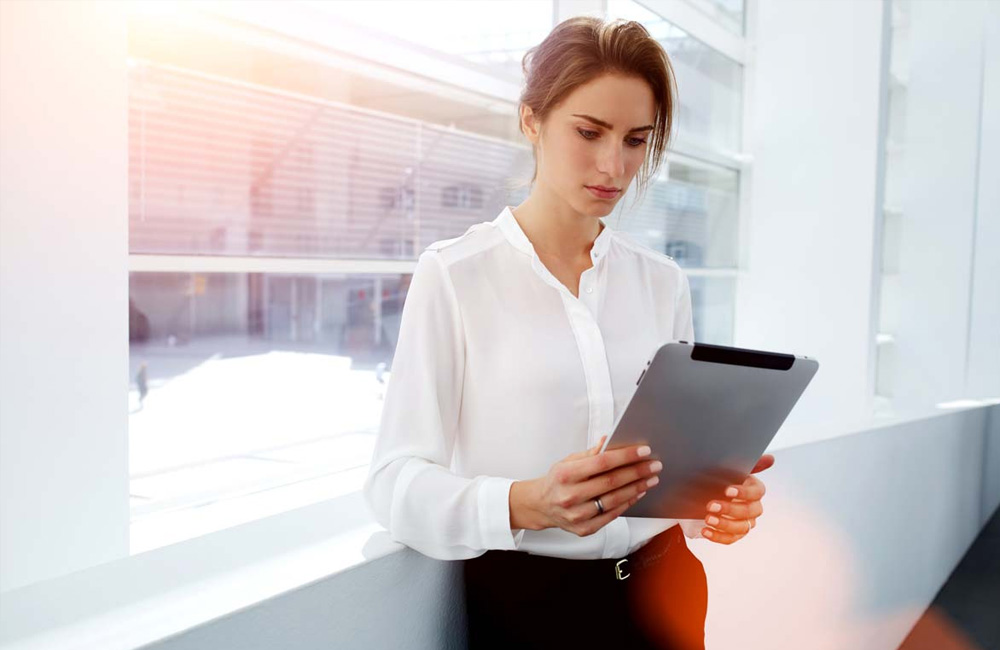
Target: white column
<point x="64" y="486"/>
<point x="809" y="237"/>
<point x="939" y="180"/>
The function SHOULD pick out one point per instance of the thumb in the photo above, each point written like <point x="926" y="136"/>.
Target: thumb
<point x="763" y="463"/>
<point x="593" y="451"/>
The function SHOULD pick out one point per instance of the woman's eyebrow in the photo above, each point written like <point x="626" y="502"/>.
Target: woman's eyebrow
<point x="648" y="127"/>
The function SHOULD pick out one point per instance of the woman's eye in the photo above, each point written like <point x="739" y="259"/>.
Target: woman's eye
<point x="590" y="135"/>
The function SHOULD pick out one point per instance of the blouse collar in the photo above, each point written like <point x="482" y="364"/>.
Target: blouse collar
<point x="512" y="231"/>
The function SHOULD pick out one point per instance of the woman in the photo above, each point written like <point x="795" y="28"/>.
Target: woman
<point x="521" y="342"/>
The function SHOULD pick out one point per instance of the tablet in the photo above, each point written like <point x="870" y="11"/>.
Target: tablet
<point x="708" y="412"/>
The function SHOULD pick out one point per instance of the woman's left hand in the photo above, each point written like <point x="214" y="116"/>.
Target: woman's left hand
<point x="730" y="520"/>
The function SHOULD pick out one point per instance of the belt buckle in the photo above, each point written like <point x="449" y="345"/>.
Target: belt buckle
<point x="618" y="569"/>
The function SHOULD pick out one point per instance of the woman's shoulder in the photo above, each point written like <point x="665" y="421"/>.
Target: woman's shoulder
<point x="478" y="238"/>
<point x="628" y="243"/>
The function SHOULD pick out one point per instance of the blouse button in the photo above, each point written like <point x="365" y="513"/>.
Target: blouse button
<point x="590" y="289"/>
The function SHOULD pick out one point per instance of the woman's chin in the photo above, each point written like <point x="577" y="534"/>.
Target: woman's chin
<point x="600" y="208"/>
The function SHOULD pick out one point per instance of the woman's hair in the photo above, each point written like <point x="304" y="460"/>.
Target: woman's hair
<point x="583" y="48"/>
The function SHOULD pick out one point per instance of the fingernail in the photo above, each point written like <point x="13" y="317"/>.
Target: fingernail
<point x="712" y="521"/>
<point x="644" y="451"/>
<point x="707" y="533"/>
<point x="731" y="492"/>
<point x="655" y="466"/>
<point x="653" y="481"/>
<point x="641" y="494"/>
<point x="715" y="507"/>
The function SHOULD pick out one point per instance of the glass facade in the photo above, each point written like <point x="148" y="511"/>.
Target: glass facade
<point x="709" y="84"/>
<point x="256" y="373"/>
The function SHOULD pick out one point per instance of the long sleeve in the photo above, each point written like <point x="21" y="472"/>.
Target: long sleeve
<point x="684" y="331"/>
<point x="409" y="487"/>
<point x="683" y="313"/>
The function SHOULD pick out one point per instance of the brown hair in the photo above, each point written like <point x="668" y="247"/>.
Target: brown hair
<point x="582" y="48"/>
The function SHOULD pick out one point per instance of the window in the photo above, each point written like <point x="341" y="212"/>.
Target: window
<point x="728" y="13"/>
<point x="934" y="346"/>
<point x="272" y="238"/>
<point x="277" y="204"/>
<point x="494" y="33"/>
<point x="892" y="213"/>
<point x="691" y="211"/>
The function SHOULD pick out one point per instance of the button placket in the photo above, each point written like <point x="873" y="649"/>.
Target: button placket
<point x="590" y="283"/>
<point x="597" y="373"/>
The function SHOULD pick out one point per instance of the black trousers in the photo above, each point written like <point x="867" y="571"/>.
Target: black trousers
<point x="656" y="597"/>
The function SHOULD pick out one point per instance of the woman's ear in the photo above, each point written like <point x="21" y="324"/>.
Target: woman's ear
<point x="529" y="126"/>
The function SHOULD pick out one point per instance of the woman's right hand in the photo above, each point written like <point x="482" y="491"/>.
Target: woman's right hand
<point x="564" y="498"/>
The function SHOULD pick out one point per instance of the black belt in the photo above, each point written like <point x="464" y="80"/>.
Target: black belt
<point x="611" y="569"/>
<point x="647" y="556"/>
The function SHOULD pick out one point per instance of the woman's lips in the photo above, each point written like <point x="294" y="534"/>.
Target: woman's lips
<point x="602" y="194"/>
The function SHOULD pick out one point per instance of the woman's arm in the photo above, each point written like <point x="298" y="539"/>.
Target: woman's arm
<point x="409" y="488"/>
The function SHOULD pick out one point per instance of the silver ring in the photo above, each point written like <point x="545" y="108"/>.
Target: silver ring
<point x="749" y="527"/>
<point x="600" y="506"/>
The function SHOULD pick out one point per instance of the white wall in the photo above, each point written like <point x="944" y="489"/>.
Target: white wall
<point x="859" y="533"/>
<point x="63" y="289"/>
<point x="813" y="135"/>
<point x="939" y="179"/>
<point x="404" y="600"/>
<point x="984" y="342"/>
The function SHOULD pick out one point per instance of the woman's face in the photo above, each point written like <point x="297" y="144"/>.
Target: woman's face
<point x="597" y="136"/>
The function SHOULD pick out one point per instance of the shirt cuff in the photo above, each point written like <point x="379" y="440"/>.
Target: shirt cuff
<point x="494" y="514"/>
<point x="692" y="528"/>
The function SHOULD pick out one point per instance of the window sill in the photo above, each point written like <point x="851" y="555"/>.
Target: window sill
<point x="148" y="597"/>
<point x="801" y="432"/>
<point x="144" y="598"/>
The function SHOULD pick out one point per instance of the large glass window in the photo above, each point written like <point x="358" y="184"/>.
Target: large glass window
<point x="225" y="168"/>
<point x="893" y="196"/>
<point x="728" y="13"/>
<point x="691" y="211"/>
<point x="256" y="374"/>
<point x="245" y="383"/>
<point x="493" y="33"/>
<point x="710" y="84"/>
<point x="277" y="205"/>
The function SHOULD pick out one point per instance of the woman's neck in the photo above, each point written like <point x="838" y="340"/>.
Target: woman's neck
<point x="554" y="228"/>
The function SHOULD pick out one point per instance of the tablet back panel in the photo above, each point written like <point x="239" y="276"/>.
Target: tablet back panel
<point x="708" y="412"/>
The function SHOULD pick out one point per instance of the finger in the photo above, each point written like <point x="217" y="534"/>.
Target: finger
<point x="737" y="527"/>
<point x="736" y="509"/>
<point x="582" y="469"/>
<point x="751" y="490"/>
<point x="594" y="524"/>
<point x="615" y="498"/>
<point x="765" y="461"/>
<point x="587" y="452"/>
<point x="720" y="537"/>
<point x="599" y="485"/>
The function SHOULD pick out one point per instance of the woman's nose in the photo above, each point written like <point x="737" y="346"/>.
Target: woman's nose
<point x="612" y="161"/>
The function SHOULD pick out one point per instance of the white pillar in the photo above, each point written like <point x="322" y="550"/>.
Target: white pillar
<point x="64" y="489"/>
<point x="809" y="237"/>
<point x="940" y="142"/>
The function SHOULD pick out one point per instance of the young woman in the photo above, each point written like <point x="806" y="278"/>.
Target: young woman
<point x="521" y="342"/>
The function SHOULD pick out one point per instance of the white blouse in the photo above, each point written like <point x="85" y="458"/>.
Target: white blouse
<point x="500" y="372"/>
